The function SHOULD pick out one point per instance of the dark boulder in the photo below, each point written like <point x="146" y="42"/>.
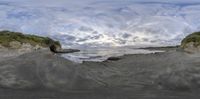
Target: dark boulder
<point x="114" y="58"/>
<point x="55" y="49"/>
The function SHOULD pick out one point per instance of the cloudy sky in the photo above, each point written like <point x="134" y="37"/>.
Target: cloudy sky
<point x="103" y="22"/>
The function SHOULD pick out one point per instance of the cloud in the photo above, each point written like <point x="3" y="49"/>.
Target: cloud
<point x="103" y="22"/>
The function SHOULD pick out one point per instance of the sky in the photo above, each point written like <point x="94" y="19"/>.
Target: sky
<point x="103" y="22"/>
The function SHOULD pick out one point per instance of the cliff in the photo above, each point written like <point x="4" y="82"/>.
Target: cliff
<point x="15" y="43"/>
<point x="191" y="43"/>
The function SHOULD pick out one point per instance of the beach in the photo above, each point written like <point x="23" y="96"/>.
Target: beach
<point x="173" y="74"/>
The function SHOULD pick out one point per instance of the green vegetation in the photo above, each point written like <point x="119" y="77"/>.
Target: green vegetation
<point x="6" y="37"/>
<point x="194" y="37"/>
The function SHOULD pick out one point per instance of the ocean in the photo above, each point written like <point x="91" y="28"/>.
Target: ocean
<point x="101" y="54"/>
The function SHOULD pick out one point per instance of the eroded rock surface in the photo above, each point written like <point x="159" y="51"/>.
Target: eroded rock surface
<point x="191" y="43"/>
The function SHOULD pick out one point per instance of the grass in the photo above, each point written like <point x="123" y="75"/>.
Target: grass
<point x="6" y="37"/>
<point x="194" y="37"/>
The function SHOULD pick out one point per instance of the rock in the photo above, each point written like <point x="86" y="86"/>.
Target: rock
<point x="68" y="51"/>
<point x="37" y="47"/>
<point x="114" y="58"/>
<point x="15" y="44"/>
<point x="190" y="47"/>
<point x="1" y="47"/>
<point x="55" y="49"/>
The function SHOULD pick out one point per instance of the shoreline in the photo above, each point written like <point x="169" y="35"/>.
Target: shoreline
<point x="166" y="48"/>
<point x="137" y="74"/>
<point x="102" y="54"/>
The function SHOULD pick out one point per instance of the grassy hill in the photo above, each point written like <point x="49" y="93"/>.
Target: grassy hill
<point x="6" y="37"/>
<point x="192" y="38"/>
<point x="191" y="43"/>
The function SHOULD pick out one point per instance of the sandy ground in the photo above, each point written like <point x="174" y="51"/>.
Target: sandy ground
<point x="43" y="75"/>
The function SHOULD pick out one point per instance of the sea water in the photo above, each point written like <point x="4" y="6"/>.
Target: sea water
<point x="101" y="54"/>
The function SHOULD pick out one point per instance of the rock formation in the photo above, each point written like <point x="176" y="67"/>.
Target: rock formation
<point x="55" y="49"/>
<point x="15" y="43"/>
<point x="191" y="43"/>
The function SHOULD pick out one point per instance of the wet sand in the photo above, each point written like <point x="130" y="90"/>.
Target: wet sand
<point x="141" y="94"/>
<point x="43" y="75"/>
